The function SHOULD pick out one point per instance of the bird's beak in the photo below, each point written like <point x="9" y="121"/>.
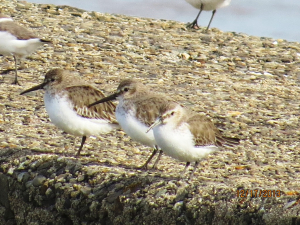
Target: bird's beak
<point x="156" y="123"/>
<point x="37" y="87"/>
<point x="106" y="99"/>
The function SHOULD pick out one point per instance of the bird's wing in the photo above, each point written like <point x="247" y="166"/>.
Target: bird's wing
<point x="21" y="33"/>
<point x="82" y="96"/>
<point x="148" y="107"/>
<point x="206" y="133"/>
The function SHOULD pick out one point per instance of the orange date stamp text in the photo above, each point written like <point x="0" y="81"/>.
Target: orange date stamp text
<point x="244" y="193"/>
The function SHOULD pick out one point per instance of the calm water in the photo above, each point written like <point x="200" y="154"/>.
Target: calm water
<point x="266" y="18"/>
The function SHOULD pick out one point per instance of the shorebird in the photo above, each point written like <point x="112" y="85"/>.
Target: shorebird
<point x="66" y="100"/>
<point x="187" y="136"/>
<point x="137" y="109"/>
<point x="17" y="41"/>
<point x="206" y="5"/>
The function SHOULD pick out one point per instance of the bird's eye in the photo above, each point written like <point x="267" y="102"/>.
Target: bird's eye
<point x="126" y="89"/>
<point x="52" y="80"/>
<point x="172" y="113"/>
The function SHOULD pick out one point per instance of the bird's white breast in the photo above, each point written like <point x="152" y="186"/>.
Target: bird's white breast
<point x="209" y="5"/>
<point x="10" y="45"/>
<point x="179" y="144"/>
<point x="62" y="114"/>
<point x="133" y="127"/>
<point x="4" y="19"/>
<point x="5" y="43"/>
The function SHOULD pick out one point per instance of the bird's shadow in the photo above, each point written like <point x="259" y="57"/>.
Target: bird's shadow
<point x="7" y="154"/>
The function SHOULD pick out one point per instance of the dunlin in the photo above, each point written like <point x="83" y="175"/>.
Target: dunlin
<point x="17" y="41"/>
<point x="137" y="110"/>
<point x="67" y="98"/>
<point x="206" y="5"/>
<point x="187" y="136"/>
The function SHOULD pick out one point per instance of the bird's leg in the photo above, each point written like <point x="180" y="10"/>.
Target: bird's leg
<point x="158" y="158"/>
<point x="183" y="172"/>
<point x="195" y="167"/>
<point x="144" y="166"/>
<point x="16" y="73"/>
<point x="194" y="24"/>
<point x="212" y="16"/>
<point x="82" y="143"/>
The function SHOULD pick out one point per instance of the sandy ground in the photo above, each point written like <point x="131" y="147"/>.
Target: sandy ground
<point x="249" y="86"/>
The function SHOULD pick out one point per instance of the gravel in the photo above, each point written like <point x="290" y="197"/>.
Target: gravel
<point x="249" y="86"/>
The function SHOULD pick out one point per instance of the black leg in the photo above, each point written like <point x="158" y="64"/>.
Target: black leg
<point x="183" y="172"/>
<point x="158" y="158"/>
<point x="194" y="24"/>
<point x="144" y="166"/>
<point x="195" y="167"/>
<point x="16" y="73"/>
<point x="82" y="143"/>
<point x="212" y="16"/>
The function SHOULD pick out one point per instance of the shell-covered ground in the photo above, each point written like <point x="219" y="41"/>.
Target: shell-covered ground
<point x="249" y="87"/>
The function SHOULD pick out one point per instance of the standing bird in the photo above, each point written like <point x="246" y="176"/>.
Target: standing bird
<point x="17" y="41"/>
<point x="137" y="109"/>
<point x="206" y="5"/>
<point x="67" y="98"/>
<point x="187" y="136"/>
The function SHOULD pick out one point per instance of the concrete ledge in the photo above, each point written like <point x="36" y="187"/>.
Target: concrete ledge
<point x="48" y="191"/>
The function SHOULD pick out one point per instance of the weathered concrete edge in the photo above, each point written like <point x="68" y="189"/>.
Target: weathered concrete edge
<point x="31" y="194"/>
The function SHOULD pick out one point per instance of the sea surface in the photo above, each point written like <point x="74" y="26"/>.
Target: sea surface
<point x="265" y="18"/>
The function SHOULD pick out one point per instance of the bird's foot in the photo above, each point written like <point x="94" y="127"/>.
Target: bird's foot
<point x="143" y="167"/>
<point x="16" y="82"/>
<point x="193" y="25"/>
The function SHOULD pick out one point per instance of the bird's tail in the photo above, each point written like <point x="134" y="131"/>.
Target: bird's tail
<point x="45" y="41"/>
<point x="228" y="141"/>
